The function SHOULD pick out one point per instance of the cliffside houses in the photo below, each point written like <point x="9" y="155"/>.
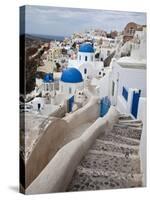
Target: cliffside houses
<point x="84" y="74"/>
<point x="113" y="67"/>
<point x="123" y="81"/>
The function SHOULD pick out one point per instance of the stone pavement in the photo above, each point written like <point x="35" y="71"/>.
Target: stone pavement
<point x="113" y="161"/>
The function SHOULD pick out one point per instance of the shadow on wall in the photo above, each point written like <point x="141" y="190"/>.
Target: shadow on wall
<point x="47" y="146"/>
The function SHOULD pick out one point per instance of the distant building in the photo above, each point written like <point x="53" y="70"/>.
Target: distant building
<point x="113" y="34"/>
<point x="48" y="79"/>
<point x="129" y="31"/>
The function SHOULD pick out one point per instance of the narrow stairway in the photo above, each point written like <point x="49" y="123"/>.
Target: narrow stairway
<point x="113" y="161"/>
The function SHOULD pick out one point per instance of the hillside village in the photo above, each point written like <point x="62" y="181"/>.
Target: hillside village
<point x="88" y="87"/>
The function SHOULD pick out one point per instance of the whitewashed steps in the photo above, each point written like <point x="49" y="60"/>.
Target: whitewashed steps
<point x="113" y="161"/>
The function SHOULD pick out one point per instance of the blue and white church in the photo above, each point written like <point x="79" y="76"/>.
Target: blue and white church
<point x="86" y="63"/>
<point x="71" y="80"/>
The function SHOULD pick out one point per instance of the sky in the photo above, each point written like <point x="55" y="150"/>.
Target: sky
<point x="46" y="20"/>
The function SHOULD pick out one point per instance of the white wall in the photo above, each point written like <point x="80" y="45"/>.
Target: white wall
<point x="59" y="98"/>
<point x="82" y="55"/>
<point x="64" y="87"/>
<point x="123" y="105"/>
<point x="143" y="144"/>
<point x="36" y="101"/>
<point x="130" y="78"/>
<point x="103" y="85"/>
<point x="114" y="77"/>
<point x="93" y="68"/>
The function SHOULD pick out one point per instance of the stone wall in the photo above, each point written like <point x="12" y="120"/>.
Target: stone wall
<point x="56" y="136"/>
<point x="87" y="113"/>
<point x="46" y="147"/>
<point x="58" y="173"/>
<point x="60" y="112"/>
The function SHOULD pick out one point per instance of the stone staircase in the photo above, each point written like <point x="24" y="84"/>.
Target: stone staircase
<point x="113" y="161"/>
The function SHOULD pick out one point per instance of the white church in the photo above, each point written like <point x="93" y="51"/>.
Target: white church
<point x="86" y="63"/>
<point x="71" y="80"/>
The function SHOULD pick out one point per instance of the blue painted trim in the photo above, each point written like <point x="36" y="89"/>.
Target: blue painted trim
<point x="135" y="103"/>
<point x="125" y="93"/>
<point x="104" y="106"/>
<point x="70" y="103"/>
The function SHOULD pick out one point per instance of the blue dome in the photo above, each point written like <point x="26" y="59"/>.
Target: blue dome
<point x="71" y="75"/>
<point x="86" y="47"/>
<point x="48" y="78"/>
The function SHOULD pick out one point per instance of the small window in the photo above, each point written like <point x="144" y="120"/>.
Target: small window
<point x="85" y="58"/>
<point x="47" y="87"/>
<point x="85" y="71"/>
<point x="113" y="88"/>
<point x="70" y="91"/>
<point x="99" y="73"/>
<point x="91" y="58"/>
<point x="80" y="57"/>
<point x="101" y="59"/>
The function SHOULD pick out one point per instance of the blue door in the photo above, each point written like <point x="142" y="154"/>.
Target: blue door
<point x="104" y="106"/>
<point x="135" y="102"/>
<point x="70" y="103"/>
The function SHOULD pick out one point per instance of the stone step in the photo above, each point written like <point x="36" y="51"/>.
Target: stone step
<point x="93" y="179"/>
<point x="105" y="161"/>
<point x="113" y="161"/>
<point x="118" y="139"/>
<point x="125" y="125"/>
<point x="131" y="127"/>
<point x="109" y="146"/>
<point x="135" y="121"/>
<point x="125" y="117"/>
<point x="109" y="153"/>
<point x="127" y="131"/>
<point x="134" y="125"/>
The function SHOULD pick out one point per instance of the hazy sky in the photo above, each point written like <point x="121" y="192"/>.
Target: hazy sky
<point x="64" y="21"/>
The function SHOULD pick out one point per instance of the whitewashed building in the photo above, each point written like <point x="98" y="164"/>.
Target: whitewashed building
<point x="71" y="80"/>
<point x="125" y="80"/>
<point x="86" y="63"/>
